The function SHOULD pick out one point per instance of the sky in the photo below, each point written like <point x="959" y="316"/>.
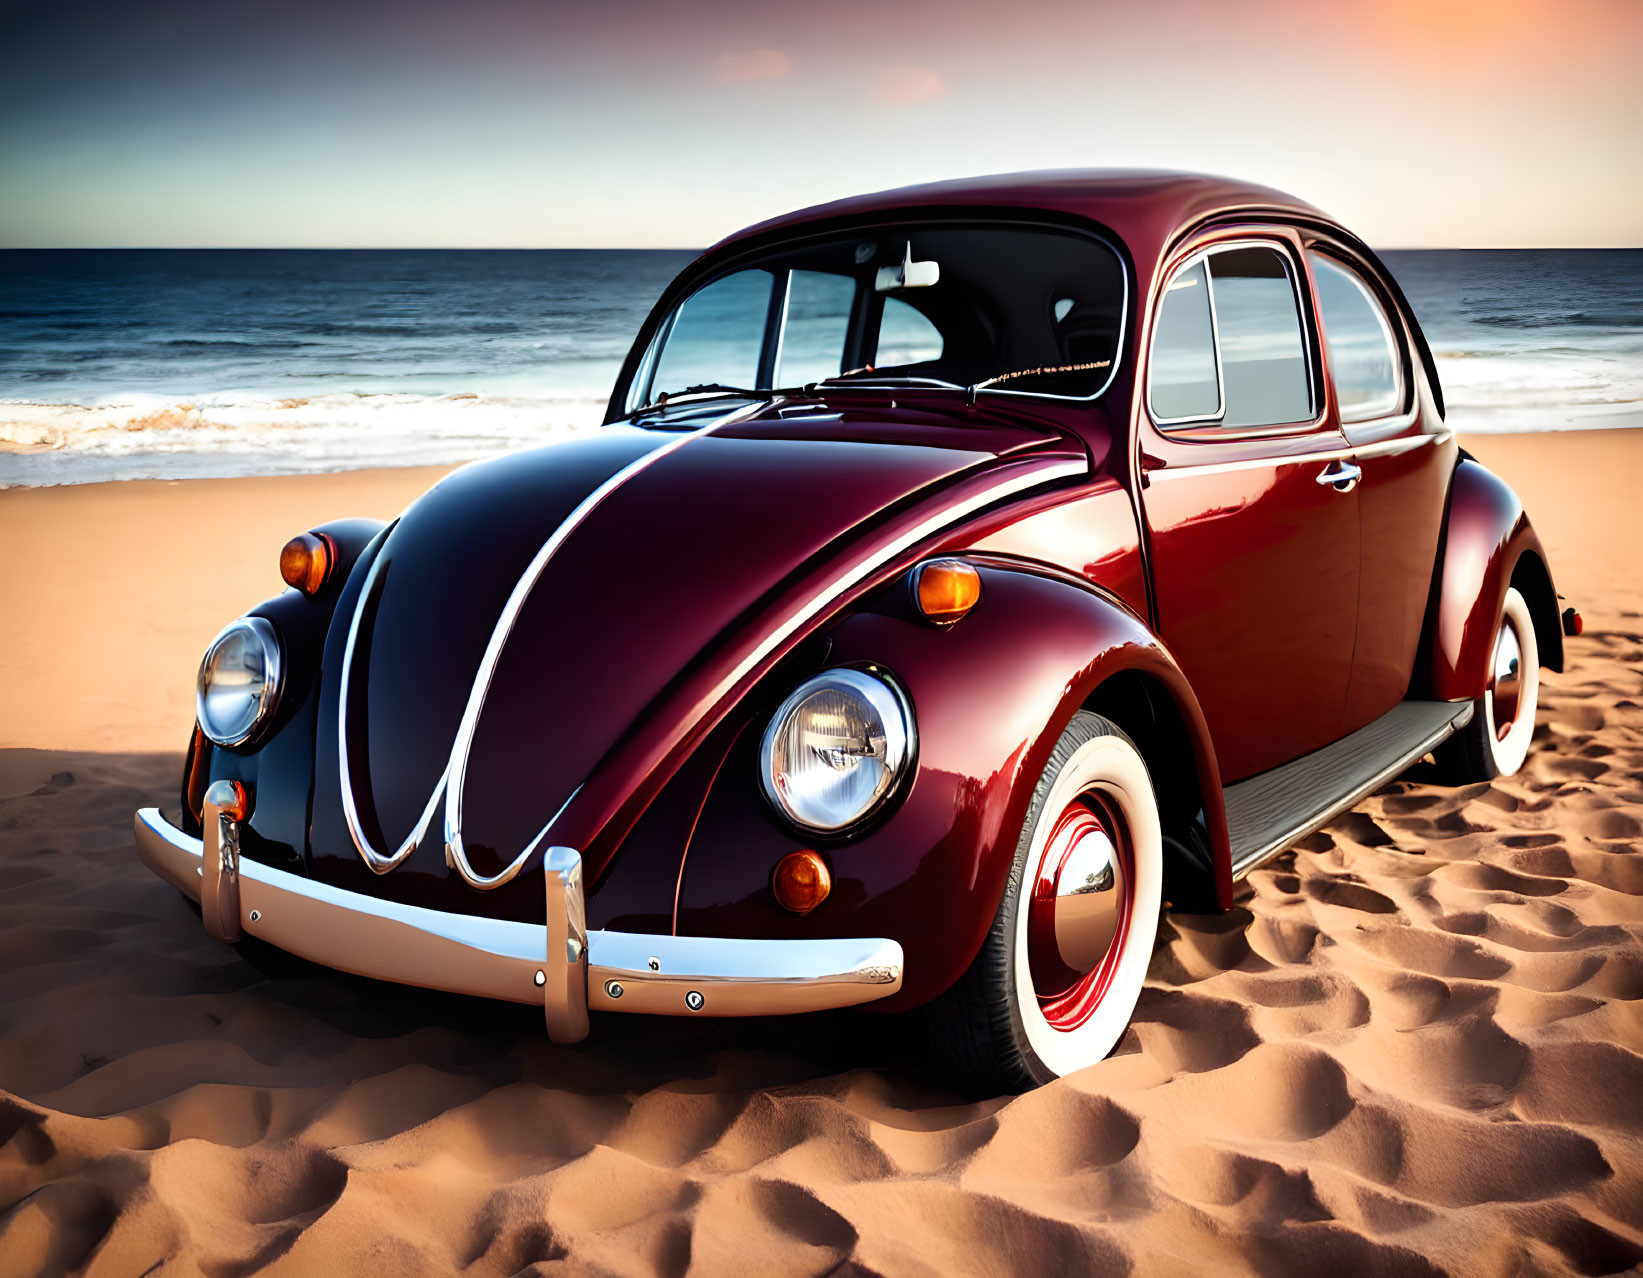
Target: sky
<point x="640" y="123"/>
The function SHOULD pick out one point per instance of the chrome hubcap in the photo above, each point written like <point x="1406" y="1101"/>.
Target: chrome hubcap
<point x="1506" y="679"/>
<point x="1078" y="909"/>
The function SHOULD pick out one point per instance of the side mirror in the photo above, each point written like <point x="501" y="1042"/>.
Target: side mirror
<point x="909" y="274"/>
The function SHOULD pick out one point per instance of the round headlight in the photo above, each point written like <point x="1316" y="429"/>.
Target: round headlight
<point x="239" y="681"/>
<point x="835" y="748"/>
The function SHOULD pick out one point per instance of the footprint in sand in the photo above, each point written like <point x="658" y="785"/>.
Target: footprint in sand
<point x="1266" y="1193"/>
<point x="1359" y="828"/>
<point x="1351" y="896"/>
<point x="1191" y="1032"/>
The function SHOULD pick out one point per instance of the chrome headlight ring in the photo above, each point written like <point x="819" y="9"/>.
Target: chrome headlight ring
<point x="238" y="688"/>
<point x="836" y="748"/>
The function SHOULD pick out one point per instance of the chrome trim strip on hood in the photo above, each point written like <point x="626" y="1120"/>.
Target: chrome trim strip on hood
<point x="452" y="781"/>
<point x="455" y="855"/>
<point x="456" y="771"/>
<point x="350" y="811"/>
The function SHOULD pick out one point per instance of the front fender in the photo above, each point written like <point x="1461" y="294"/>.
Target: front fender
<point x="991" y="696"/>
<point x="277" y="766"/>
<point x="1488" y="546"/>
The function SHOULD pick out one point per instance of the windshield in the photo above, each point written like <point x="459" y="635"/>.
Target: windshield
<point x="1005" y="308"/>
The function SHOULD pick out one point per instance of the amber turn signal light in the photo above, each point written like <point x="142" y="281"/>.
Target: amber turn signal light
<point x="1573" y="622"/>
<point x="306" y="561"/>
<point x="801" y="882"/>
<point x="229" y="798"/>
<point x="946" y="589"/>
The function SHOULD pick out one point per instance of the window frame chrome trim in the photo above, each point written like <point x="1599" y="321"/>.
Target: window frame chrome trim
<point x="1214" y="342"/>
<point x="1311" y="341"/>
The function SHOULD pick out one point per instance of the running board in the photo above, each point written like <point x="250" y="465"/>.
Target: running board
<point x="1268" y="812"/>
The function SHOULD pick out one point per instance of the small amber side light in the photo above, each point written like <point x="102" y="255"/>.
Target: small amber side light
<point x="801" y="881"/>
<point x="946" y="589"/>
<point x="229" y="798"/>
<point x="305" y="562"/>
<point x="1573" y="622"/>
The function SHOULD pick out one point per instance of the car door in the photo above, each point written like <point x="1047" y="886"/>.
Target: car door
<point x="1252" y="541"/>
<point x="1405" y="456"/>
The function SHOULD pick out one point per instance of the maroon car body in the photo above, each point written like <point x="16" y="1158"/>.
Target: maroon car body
<point x="1238" y="601"/>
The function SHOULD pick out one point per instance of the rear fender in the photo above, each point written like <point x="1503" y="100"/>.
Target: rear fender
<point x="1488" y="547"/>
<point x="991" y="696"/>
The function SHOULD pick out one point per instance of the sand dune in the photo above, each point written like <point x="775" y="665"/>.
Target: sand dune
<point x="1415" y="1046"/>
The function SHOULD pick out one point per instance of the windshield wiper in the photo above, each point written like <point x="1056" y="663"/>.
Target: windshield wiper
<point x="867" y="377"/>
<point x="714" y="390"/>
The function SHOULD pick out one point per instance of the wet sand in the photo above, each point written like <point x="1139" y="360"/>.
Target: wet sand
<point x="1417" y="1042"/>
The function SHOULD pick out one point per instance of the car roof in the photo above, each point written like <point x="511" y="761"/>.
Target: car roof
<point x="1144" y="208"/>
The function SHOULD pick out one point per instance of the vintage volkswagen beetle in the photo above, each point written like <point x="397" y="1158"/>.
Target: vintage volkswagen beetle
<point x="965" y="574"/>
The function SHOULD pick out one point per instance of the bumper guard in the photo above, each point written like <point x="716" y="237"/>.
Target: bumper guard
<point x="562" y="965"/>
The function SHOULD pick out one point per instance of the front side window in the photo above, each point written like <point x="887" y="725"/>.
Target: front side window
<point x="1258" y="325"/>
<point x="1000" y="307"/>
<point x="1363" y="358"/>
<point x="1185" y="383"/>
<point x="1229" y="348"/>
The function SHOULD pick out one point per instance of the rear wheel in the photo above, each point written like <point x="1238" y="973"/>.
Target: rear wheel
<point x="1496" y="741"/>
<point x="1061" y="969"/>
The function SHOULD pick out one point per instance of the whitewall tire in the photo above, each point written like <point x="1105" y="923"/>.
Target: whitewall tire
<point x="1058" y="976"/>
<point x="1496" y="741"/>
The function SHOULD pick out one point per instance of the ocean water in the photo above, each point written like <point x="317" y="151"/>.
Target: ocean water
<point x="1531" y="339"/>
<point x="123" y="364"/>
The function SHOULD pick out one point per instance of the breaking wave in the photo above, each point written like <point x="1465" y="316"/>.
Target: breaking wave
<point x="151" y="437"/>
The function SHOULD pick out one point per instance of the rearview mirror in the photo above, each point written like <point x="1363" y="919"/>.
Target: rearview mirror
<point x="908" y="274"/>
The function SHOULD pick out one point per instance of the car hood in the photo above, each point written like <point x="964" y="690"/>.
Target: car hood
<point x="655" y="555"/>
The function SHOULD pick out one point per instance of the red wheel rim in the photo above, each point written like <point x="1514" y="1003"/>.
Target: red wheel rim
<point x="1506" y="678"/>
<point x="1067" y="997"/>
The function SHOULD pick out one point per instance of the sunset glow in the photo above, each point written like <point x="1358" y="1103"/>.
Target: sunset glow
<point x="563" y="122"/>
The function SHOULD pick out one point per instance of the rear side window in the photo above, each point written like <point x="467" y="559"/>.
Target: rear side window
<point x="1363" y="357"/>
<point x="906" y="337"/>
<point x="1229" y="348"/>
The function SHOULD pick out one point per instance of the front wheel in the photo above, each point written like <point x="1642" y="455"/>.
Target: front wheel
<point x="1061" y="969"/>
<point x="1495" y="741"/>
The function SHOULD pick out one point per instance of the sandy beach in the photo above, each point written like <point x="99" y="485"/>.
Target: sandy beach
<point x="1415" y="1045"/>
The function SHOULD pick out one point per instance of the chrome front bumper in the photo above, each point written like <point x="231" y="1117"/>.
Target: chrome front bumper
<point x="560" y="965"/>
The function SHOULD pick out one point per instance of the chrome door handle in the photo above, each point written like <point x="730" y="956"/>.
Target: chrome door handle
<point x="1343" y="477"/>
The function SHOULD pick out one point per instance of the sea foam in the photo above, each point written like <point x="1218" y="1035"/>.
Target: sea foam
<point x="225" y="434"/>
